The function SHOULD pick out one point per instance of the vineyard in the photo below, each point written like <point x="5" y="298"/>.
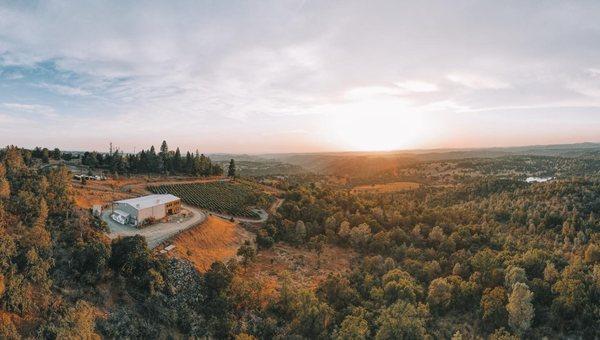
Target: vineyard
<point x="221" y="197"/>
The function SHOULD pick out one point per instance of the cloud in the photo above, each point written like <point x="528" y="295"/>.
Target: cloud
<point x="478" y="82"/>
<point x="187" y="71"/>
<point x="64" y="90"/>
<point x="10" y="75"/>
<point x="42" y="110"/>
<point x="370" y="92"/>
<point x="417" y="86"/>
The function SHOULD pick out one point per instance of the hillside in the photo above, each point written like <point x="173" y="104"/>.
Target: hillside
<point x="213" y="240"/>
<point x="471" y="248"/>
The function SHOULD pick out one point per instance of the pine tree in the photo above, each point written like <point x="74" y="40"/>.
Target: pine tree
<point x="177" y="161"/>
<point x="164" y="149"/>
<point x="520" y="309"/>
<point x="189" y="163"/>
<point x="231" y="171"/>
<point x="163" y="158"/>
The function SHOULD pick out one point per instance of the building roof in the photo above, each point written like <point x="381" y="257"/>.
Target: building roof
<point x="149" y="201"/>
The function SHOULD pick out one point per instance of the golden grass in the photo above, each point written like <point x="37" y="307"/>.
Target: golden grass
<point x="386" y="187"/>
<point x="213" y="240"/>
<point x="306" y="269"/>
<point x="87" y="197"/>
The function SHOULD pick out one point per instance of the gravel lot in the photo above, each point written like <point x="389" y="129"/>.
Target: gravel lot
<point x="156" y="233"/>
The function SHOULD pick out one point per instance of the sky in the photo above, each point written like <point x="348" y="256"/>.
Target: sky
<point x="298" y="76"/>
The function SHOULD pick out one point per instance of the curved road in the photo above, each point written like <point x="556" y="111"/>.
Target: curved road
<point x="263" y="215"/>
<point x="157" y="233"/>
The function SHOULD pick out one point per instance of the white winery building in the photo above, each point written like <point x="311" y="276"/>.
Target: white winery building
<point x="135" y="211"/>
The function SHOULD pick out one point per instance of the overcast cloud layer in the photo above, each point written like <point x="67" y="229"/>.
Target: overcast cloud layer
<point x="286" y="76"/>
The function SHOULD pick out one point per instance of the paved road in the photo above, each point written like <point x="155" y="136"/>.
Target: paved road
<point x="157" y="233"/>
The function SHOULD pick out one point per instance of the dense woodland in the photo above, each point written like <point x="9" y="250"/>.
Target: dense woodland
<point x="474" y="254"/>
<point x="480" y="255"/>
<point x="164" y="161"/>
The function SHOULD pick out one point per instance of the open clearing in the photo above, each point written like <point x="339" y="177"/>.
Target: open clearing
<point x="306" y="269"/>
<point x="386" y="187"/>
<point x="213" y="240"/>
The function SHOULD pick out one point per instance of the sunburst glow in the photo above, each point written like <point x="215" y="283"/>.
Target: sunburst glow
<point x="379" y="125"/>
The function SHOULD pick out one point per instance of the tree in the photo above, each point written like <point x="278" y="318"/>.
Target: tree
<point x="59" y="191"/>
<point x="300" y="232"/>
<point x="37" y="236"/>
<point x="457" y="336"/>
<point x="354" y="327"/>
<point x="317" y="243"/>
<point x="90" y="260"/>
<point x="7" y="328"/>
<point x="572" y="307"/>
<point x="217" y="278"/>
<point x="513" y="275"/>
<point x="344" y="232"/>
<point x="231" y="169"/>
<point x="592" y="253"/>
<point x="55" y="154"/>
<point x="77" y="322"/>
<point x="247" y="252"/>
<point x="131" y="258"/>
<point x="437" y="235"/>
<point x="440" y="295"/>
<point x="402" y="320"/>
<point x="493" y="308"/>
<point x="164" y="161"/>
<point x="8" y="249"/>
<point x="550" y="273"/>
<point x="360" y="236"/>
<point x="520" y="309"/>
<point x="502" y="334"/>
<point x="4" y="184"/>
<point x="312" y="317"/>
<point x="164" y="149"/>
<point x="45" y="156"/>
<point x="400" y="285"/>
<point x="177" y="161"/>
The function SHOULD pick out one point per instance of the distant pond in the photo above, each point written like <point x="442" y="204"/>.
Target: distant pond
<point x="538" y="179"/>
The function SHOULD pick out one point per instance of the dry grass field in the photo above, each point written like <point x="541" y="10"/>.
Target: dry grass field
<point x="386" y="187"/>
<point x="97" y="193"/>
<point x="305" y="268"/>
<point x="214" y="240"/>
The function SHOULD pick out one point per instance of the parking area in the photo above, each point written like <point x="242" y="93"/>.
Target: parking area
<point x="156" y="233"/>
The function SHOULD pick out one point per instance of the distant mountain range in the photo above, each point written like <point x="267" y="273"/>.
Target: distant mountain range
<point x="369" y="163"/>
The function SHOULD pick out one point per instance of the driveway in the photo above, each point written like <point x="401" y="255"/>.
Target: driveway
<point x="156" y="233"/>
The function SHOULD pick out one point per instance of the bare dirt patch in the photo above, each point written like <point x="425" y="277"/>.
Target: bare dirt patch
<point x="386" y="187"/>
<point x="213" y="240"/>
<point x="305" y="268"/>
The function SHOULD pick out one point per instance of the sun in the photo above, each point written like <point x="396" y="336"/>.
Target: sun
<point x="378" y="126"/>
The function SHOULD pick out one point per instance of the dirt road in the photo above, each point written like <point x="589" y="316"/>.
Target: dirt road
<point x="273" y="208"/>
<point x="157" y="233"/>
